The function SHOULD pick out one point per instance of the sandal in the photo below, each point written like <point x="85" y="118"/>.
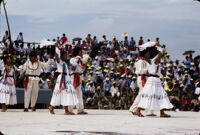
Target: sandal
<point x="33" y="109"/>
<point x="51" y="110"/>
<point x="152" y="115"/>
<point x="25" y="109"/>
<point x="82" y="113"/>
<point x="165" y="115"/>
<point x="69" y="113"/>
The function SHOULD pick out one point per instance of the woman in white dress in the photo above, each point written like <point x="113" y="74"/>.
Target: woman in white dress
<point x="153" y="94"/>
<point x="64" y="93"/>
<point x="7" y="83"/>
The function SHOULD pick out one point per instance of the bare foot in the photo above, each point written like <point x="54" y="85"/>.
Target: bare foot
<point x="139" y="114"/>
<point x="51" y="110"/>
<point x="3" y="110"/>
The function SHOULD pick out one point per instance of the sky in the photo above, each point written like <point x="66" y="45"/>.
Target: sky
<point x="175" y="22"/>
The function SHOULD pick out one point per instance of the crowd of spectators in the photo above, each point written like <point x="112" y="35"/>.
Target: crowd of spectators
<point x="109" y="77"/>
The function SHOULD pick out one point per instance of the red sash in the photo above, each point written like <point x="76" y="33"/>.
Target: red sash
<point x="26" y="82"/>
<point x="143" y="78"/>
<point x="77" y="80"/>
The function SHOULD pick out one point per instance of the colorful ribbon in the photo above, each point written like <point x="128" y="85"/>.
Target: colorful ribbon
<point x="63" y="82"/>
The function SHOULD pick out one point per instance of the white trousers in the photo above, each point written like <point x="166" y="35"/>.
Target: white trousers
<point x="134" y="106"/>
<point x="79" y="106"/>
<point x="79" y="93"/>
<point x="31" y="93"/>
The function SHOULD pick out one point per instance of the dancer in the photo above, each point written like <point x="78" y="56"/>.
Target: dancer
<point x="7" y="83"/>
<point x="153" y="96"/>
<point x="64" y="93"/>
<point x="32" y="69"/>
<point x="78" y="66"/>
<point x="141" y="70"/>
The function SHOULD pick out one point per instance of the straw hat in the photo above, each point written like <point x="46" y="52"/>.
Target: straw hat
<point x="107" y="79"/>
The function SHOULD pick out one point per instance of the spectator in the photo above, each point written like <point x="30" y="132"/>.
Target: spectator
<point x="140" y="42"/>
<point x="63" y="38"/>
<point x="20" y="38"/>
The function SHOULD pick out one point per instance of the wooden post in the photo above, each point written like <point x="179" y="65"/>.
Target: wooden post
<point x="9" y="32"/>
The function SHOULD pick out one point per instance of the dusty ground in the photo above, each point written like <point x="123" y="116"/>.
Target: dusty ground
<point x="111" y="122"/>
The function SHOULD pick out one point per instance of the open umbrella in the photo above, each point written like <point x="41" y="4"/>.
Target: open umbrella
<point x="46" y="43"/>
<point x="125" y="34"/>
<point x="147" y="44"/>
<point x="67" y="43"/>
<point x="64" y="44"/>
<point x="188" y="52"/>
<point x="77" y="39"/>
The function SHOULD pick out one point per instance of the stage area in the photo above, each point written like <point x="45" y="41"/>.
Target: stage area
<point x="97" y="122"/>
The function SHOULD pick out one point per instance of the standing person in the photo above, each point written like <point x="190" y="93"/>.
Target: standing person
<point x="6" y="37"/>
<point x="140" y="42"/>
<point x="63" y="38"/>
<point x="20" y="38"/>
<point x="32" y="69"/>
<point x="141" y="70"/>
<point x="64" y="93"/>
<point x="78" y="66"/>
<point x="153" y="96"/>
<point x="7" y="83"/>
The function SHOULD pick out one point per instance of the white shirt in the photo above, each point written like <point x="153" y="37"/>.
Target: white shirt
<point x="1" y="48"/>
<point x="114" y="91"/>
<point x="35" y="69"/>
<point x="133" y="85"/>
<point x="141" y="67"/>
<point x="78" y="67"/>
<point x="44" y="84"/>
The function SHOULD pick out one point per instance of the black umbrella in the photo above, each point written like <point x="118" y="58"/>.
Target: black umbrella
<point x="77" y="39"/>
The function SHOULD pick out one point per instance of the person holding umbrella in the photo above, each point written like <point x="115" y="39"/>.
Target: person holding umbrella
<point x="153" y="96"/>
<point x="142" y="72"/>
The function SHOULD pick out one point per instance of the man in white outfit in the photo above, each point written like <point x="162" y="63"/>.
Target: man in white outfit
<point x="78" y="65"/>
<point x="141" y="67"/>
<point x="32" y="69"/>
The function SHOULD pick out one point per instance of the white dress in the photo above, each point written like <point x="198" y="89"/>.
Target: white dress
<point x="7" y="87"/>
<point x="64" y="93"/>
<point x="153" y="95"/>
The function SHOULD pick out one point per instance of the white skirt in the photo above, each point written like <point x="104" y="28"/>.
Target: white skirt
<point x="64" y="97"/>
<point x="8" y="94"/>
<point x="153" y="96"/>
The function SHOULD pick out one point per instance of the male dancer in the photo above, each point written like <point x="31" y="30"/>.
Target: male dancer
<point x="78" y="64"/>
<point x="32" y="69"/>
<point x="141" y="70"/>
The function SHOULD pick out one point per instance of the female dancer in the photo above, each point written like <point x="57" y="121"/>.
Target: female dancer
<point x="153" y="94"/>
<point x="64" y="93"/>
<point x="7" y="83"/>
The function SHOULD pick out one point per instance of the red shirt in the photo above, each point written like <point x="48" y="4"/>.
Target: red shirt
<point x="185" y="102"/>
<point x="64" y="39"/>
<point x="140" y="42"/>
